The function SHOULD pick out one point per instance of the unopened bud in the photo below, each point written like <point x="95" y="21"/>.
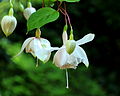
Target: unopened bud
<point x="8" y="24"/>
<point x="28" y="11"/>
<point x="64" y="37"/>
<point x="70" y="46"/>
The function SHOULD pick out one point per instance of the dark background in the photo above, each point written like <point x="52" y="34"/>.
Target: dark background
<point x="20" y="77"/>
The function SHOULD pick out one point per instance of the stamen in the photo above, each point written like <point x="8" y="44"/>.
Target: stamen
<point x="37" y="63"/>
<point x="67" y="86"/>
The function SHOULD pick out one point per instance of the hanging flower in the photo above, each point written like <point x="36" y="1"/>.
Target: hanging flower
<point x="8" y="23"/>
<point x="38" y="47"/>
<point x="28" y="11"/>
<point x="71" y="54"/>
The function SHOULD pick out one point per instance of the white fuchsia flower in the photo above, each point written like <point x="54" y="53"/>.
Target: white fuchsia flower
<point x="29" y="11"/>
<point x="71" y="54"/>
<point x="38" y="47"/>
<point x="8" y="23"/>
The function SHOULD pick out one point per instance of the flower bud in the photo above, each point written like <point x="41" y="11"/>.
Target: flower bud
<point x="8" y="24"/>
<point x="64" y="37"/>
<point x="70" y="46"/>
<point x="28" y="11"/>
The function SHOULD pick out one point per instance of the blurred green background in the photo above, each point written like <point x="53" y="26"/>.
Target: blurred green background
<point x="20" y="77"/>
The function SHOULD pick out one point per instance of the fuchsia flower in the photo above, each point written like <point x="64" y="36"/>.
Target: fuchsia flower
<point x="38" y="47"/>
<point x="71" y="54"/>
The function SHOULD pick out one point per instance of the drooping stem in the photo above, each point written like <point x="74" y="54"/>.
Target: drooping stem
<point x="71" y="31"/>
<point x="37" y="63"/>
<point x="67" y="82"/>
<point x="62" y="12"/>
<point x="65" y="19"/>
<point x="11" y="5"/>
<point x="67" y="16"/>
<point x="11" y="11"/>
<point x="71" y="34"/>
<point x="43" y="3"/>
<point x="29" y="4"/>
<point x="59" y="4"/>
<point x="37" y="33"/>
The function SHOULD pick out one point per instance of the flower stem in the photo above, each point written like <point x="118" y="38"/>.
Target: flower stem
<point x="11" y="5"/>
<point x="43" y="3"/>
<point x="37" y="33"/>
<point x="67" y="86"/>
<point x="37" y="63"/>
<point x="71" y="34"/>
<point x="11" y="12"/>
<point x="29" y="4"/>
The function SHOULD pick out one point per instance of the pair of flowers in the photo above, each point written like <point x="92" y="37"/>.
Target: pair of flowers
<point x="9" y="22"/>
<point x="67" y="56"/>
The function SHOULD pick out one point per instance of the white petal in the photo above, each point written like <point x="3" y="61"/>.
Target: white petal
<point x="47" y="57"/>
<point x="37" y="43"/>
<point x="44" y="43"/>
<point x="72" y="60"/>
<point x="42" y="54"/>
<point x="60" y="57"/>
<point x="87" y="38"/>
<point x="81" y="55"/>
<point x="26" y="42"/>
<point x="30" y="48"/>
<point x="64" y="37"/>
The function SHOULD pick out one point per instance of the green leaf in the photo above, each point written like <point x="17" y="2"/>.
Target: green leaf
<point x="42" y="17"/>
<point x="70" y="0"/>
<point x="49" y="3"/>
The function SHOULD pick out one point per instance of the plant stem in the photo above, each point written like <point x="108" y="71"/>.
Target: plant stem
<point x="37" y="63"/>
<point x="67" y="86"/>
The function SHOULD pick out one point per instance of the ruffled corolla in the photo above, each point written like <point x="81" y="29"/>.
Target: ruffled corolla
<point x="38" y="47"/>
<point x="71" y="54"/>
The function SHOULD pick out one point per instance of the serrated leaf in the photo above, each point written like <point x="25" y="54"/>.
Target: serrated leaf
<point x="42" y="17"/>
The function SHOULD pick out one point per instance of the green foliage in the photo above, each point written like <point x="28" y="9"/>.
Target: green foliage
<point x="27" y="80"/>
<point x="3" y="12"/>
<point x="20" y="77"/>
<point x="70" y="0"/>
<point x="49" y="3"/>
<point x="42" y="17"/>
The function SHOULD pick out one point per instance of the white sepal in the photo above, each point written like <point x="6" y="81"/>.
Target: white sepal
<point x="25" y="44"/>
<point x="87" y="38"/>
